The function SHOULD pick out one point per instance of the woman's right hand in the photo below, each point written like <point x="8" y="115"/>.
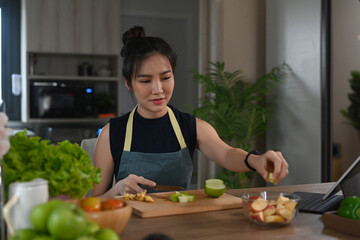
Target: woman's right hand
<point x="130" y="184"/>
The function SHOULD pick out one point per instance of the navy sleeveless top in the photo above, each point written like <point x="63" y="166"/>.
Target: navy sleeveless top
<point x="151" y="135"/>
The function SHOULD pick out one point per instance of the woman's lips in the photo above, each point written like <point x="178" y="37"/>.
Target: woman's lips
<point x="157" y="101"/>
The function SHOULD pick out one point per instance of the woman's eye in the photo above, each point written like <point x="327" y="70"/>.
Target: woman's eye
<point x="166" y="78"/>
<point x="144" y="81"/>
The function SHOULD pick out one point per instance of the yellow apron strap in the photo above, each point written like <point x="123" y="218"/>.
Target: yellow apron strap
<point x="176" y="128"/>
<point x="129" y="130"/>
<point x="174" y="123"/>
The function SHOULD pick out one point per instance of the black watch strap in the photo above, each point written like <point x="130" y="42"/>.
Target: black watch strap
<point x="254" y="152"/>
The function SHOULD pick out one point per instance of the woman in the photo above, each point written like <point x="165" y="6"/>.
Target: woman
<point x="154" y="144"/>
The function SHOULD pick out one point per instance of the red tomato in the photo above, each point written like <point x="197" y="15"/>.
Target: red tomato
<point x="90" y="204"/>
<point x="112" y="204"/>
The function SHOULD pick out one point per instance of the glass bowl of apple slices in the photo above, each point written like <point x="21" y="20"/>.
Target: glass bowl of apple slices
<point x="271" y="209"/>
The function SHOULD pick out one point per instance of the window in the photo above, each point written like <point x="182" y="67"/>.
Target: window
<point x="1" y="99"/>
<point x="10" y="54"/>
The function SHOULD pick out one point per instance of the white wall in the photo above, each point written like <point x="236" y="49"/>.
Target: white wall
<point x="293" y="36"/>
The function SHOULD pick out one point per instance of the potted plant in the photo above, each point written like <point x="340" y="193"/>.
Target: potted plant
<point x="65" y="165"/>
<point x="237" y="109"/>
<point x="352" y="114"/>
<point x="105" y="105"/>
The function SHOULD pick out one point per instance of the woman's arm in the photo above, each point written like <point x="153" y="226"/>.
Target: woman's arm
<point x="210" y="144"/>
<point x="103" y="159"/>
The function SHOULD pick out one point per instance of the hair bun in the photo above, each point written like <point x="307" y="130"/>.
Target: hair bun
<point x="135" y="32"/>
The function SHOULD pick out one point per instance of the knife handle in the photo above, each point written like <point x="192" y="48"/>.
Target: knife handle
<point x="143" y="186"/>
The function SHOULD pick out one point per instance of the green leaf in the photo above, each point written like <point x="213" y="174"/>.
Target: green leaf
<point x="66" y="166"/>
<point x="352" y="114"/>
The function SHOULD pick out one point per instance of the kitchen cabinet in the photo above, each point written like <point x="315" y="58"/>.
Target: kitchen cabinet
<point x="68" y="41"/>
<point x="72" y="26"/>
<point x="46" y="89"/>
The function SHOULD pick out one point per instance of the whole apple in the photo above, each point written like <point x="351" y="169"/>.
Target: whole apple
<point x="43" y="238"/>
<point x="91" y="229"/>
<point x="39" y="215"/>
<point x="86" y="238"/>
<point x="24" y="234"/>
<point x="106" y="234"/>
<point x="67" y="221"/>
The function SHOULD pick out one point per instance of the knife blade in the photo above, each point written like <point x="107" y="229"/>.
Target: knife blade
<point x="161" y="188"/>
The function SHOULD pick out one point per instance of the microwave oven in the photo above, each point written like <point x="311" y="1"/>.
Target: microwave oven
<point x="62" y="99"/>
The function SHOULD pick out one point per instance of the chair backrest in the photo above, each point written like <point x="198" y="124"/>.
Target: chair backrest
<point x="88" y="145"/>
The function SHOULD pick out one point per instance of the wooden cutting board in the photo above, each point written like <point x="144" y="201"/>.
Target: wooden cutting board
<point x="163" y="206"/>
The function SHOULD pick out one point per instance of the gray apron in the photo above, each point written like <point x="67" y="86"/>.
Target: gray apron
<point x="173" y="168"/>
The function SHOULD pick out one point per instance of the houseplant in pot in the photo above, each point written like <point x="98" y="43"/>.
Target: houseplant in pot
<point x="237" y="109"/>
<point x="352" y="114"/>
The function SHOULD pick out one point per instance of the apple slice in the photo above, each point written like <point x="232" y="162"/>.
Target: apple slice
<point x="290" y="205"/>
<point x="279" y="207"/>
<point x="248" y="206"/>
<point x="285" y="213"/>
<point x="269" y="210"/>
<point x="258" y="216"/>
<point x="274" y="218"/>
<point x="282" y="199"/>
<point x="272" y="202"/>
<point x="259" y="204"/>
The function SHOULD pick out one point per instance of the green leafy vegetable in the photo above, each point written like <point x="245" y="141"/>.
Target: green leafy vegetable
<point x="66" y="166"/>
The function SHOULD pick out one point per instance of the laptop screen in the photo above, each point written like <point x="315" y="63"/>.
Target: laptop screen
<point x="350" y="172"/>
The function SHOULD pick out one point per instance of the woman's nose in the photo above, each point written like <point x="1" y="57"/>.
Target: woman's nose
<point x="157" y="87"/>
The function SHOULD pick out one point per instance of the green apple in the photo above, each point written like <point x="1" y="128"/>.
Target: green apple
<point x="106" y="234"/>
<point x="86" y="238"/>
<point x="39" y="214"/>
<point x="43" y="238"/>
<point x="91" y="229"/>
<point x="67" y="221"/>
<point x="24" y="234"/>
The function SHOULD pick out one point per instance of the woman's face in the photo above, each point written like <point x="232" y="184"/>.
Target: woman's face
<point x="153" y="86"/>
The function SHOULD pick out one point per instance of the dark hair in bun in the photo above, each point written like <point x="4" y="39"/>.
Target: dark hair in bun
<point x="137" y="47"/>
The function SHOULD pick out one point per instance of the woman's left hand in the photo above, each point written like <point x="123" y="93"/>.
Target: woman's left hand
<point x="270" y="161"/>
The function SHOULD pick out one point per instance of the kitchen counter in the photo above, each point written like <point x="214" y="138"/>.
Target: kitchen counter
<point x="231" y="224"/>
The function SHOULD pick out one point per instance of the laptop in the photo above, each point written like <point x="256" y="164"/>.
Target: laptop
<point x="348" y="183"/>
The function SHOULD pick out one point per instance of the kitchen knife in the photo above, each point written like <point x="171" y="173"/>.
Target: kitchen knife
<point x="161" y="188"/>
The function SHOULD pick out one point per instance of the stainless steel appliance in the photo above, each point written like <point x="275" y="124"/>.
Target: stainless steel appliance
<point x="62" y="99"/>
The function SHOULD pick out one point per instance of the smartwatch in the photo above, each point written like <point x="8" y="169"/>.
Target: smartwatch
<point x="254" y="152"/>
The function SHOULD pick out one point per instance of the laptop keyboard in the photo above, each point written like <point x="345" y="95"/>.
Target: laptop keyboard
<point x="313" y="203"/>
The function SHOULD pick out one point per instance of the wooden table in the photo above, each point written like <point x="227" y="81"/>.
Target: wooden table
<point x="231" y="224"/>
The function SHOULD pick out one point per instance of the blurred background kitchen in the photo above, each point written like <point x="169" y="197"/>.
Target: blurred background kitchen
<point x="67" y="53"/>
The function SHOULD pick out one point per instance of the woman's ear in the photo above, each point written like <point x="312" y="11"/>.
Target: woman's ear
<point x="127" y="85"/>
